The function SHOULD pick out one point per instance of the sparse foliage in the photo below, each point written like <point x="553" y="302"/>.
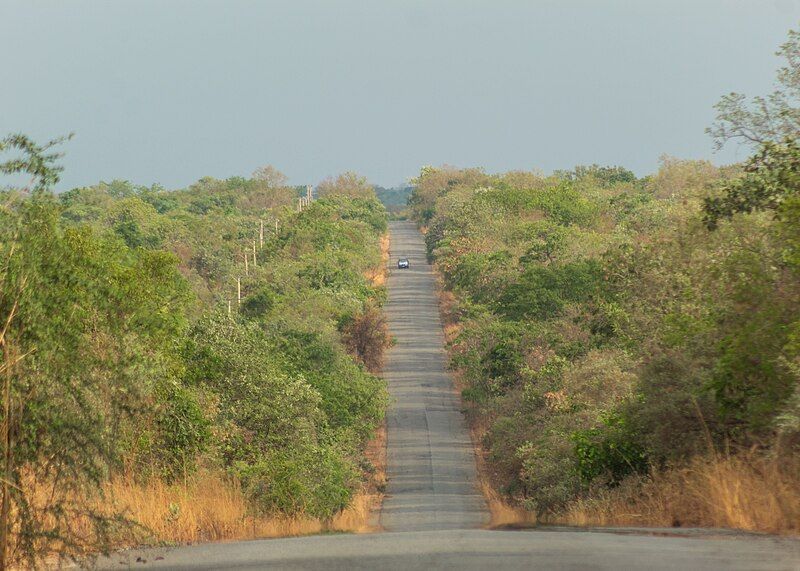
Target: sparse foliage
<point x="270" y="176"/>
<point x="348" y="184"/>
<point x="775" y="117"/>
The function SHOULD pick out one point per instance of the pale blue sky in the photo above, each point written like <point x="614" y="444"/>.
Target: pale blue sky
<point x="169" y="91"/>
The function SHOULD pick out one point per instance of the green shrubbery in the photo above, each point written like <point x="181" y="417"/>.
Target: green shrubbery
<point x="606" y="331"/>
<point x="126" y="349"/>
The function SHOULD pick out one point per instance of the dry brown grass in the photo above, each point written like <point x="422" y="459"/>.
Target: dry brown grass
<point x="747" y="491"/>
<point x="208" y="506"/>
<point x="377" y="276"/>
<point x="503" y="514"/>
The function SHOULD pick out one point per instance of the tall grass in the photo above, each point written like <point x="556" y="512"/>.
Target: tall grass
<point x="210" y="507"/>
<point x="748" y="491"/>
<point x="206" y="506"/>
<point x="377" y="275"/>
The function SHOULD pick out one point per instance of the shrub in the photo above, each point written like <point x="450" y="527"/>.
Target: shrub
<point x="366" y="336"/>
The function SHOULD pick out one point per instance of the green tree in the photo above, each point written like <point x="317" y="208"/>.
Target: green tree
<point x="775" y="117"/>
<point x="772" y="177"/>
<point x="83" y="317"/>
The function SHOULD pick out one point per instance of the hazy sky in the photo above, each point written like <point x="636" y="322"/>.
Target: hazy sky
<point x="169" y="91"/>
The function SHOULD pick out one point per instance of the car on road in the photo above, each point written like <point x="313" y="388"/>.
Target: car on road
<point x="402" y="263"/>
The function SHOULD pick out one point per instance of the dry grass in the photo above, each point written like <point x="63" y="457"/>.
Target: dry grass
<point x="747" y="491"/>
<point x="210" y="507"/>
<point x="502" y="513"/>
<point x="377" y="276"/>
<point x="207" y="507"/>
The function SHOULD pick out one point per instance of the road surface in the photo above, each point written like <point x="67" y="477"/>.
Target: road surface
<point x="479" y="550"/>
<point x="430" y="458"/>
<point x="433" y="513"/>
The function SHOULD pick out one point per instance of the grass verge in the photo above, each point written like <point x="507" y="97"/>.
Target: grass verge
<point x="748" y="491"/>
<point x="211" y="507"/>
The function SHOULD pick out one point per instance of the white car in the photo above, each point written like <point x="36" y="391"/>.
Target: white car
<point x="402" y="264"/>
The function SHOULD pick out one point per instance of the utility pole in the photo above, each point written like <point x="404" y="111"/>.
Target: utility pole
<point x="254" y="254"/>
<point x="229" y="308"/>
<point x="261" y="236"/>
<point x="246" y="267"/>
<point x="276" y="227"/>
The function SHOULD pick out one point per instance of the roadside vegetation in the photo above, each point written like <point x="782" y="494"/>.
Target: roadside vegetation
<point x="629" y="348"/>
<point x="394" y="199"/>
<point x="184" y="365"/>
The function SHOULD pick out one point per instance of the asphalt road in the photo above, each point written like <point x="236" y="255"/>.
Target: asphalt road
<point x="433" y="512"/>
<point x="430" y="459"/>
<point x="479" y="550"/>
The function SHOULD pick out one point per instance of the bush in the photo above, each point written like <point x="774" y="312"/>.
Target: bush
<point x="366" y="336"/>
<point x="610" y="453"/>
<point x="302" y="480"/>
<point x="258" y="304"/>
